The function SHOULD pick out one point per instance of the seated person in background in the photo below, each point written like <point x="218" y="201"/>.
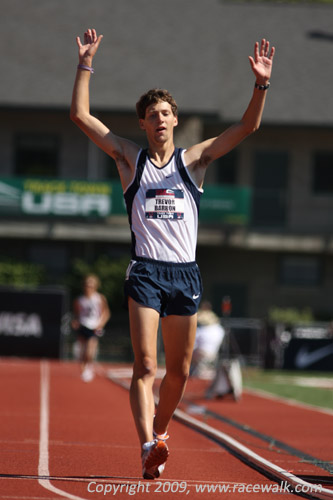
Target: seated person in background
<point x="208" y="340"/>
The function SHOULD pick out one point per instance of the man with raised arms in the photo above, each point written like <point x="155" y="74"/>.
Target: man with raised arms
<point x="162" y="188"/>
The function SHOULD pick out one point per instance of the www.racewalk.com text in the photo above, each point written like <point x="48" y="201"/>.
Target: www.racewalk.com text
<point x="185" y="488"/>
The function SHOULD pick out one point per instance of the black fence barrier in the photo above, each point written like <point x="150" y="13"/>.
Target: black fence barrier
<point x="32" y="321"/>
<point x="298" y="347"/>
<point x="279" y="346"/>
<point x="243" y="339"/>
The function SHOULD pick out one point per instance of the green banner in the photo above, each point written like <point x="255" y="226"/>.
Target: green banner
<point x="80" y="198"/>
<point x="225" y="205"/>
<point x="60" y="198"/>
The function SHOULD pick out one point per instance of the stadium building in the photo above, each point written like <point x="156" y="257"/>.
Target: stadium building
<point x="265" y="235"/>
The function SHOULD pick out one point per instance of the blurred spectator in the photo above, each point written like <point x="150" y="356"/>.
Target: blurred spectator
<point x="90" y="314"/>
<point x="208" y="340"/>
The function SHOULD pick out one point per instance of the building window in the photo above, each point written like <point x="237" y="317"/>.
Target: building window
<point x="36" y="155"/>
<point x="53" y="257"/>
<point x="226" y="168"/>
<point x="323" y="172"/>
<point x="301" y="270"/>
<point x="270" y="184"/>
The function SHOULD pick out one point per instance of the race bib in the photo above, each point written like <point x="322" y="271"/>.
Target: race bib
<point x="164" y="204"/>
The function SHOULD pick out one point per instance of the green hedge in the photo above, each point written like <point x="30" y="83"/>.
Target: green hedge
<point x="19" y="273"/>
<point x="111" y="273"/>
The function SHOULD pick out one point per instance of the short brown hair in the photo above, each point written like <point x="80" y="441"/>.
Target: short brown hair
<point x="92" y="276"/>
<point x="152" y="97"/>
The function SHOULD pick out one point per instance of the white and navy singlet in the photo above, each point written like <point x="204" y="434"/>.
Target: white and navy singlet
<point x="163" y="208"/>
<point x="90" y="310"/>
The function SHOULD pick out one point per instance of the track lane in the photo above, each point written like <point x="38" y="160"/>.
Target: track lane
<point x="110" y="449"/>
<point x="19" y="429"/>
<point x="303" y="429"/>
<point x="295" y="437"/>
<point x="92" y="441"/>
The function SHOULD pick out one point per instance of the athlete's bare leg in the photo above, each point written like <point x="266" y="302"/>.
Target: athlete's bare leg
<point x="91" y="349"/>
<point x="178" y="337"/>
<point x="144" y="323"/>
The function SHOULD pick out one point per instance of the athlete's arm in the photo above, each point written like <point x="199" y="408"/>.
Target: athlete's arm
<point x="198" y="157"/>
<point x="123" y="151"/>
<point x="76" y="313"/>
<point x="105" y="313"/>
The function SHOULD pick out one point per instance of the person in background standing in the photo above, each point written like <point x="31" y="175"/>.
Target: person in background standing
<point x="90" y="314"/>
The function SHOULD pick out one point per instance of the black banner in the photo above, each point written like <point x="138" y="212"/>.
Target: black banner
<point x="309" y="354"/>
<point x="31" y="322"/>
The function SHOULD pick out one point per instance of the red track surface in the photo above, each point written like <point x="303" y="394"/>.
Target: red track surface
<point x="302" y="428"/>
<point x="92" y="447"/>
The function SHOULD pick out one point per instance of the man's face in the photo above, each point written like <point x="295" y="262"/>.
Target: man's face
<point x="159" y="122"/>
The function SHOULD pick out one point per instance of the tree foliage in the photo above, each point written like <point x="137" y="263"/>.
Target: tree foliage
<point x="20" y="274"/>
<point x="111" y="273"/>
<point x="290" y="315"/>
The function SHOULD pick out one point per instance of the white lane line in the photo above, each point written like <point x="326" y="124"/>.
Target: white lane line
<point x="44" y="419"/>
<point x="284" y="475"/>
<point x="244" y="451"/>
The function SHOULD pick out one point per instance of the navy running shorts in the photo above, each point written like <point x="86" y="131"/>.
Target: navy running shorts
<point x="85" y="333"/>
<point x="169" y="288"/>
